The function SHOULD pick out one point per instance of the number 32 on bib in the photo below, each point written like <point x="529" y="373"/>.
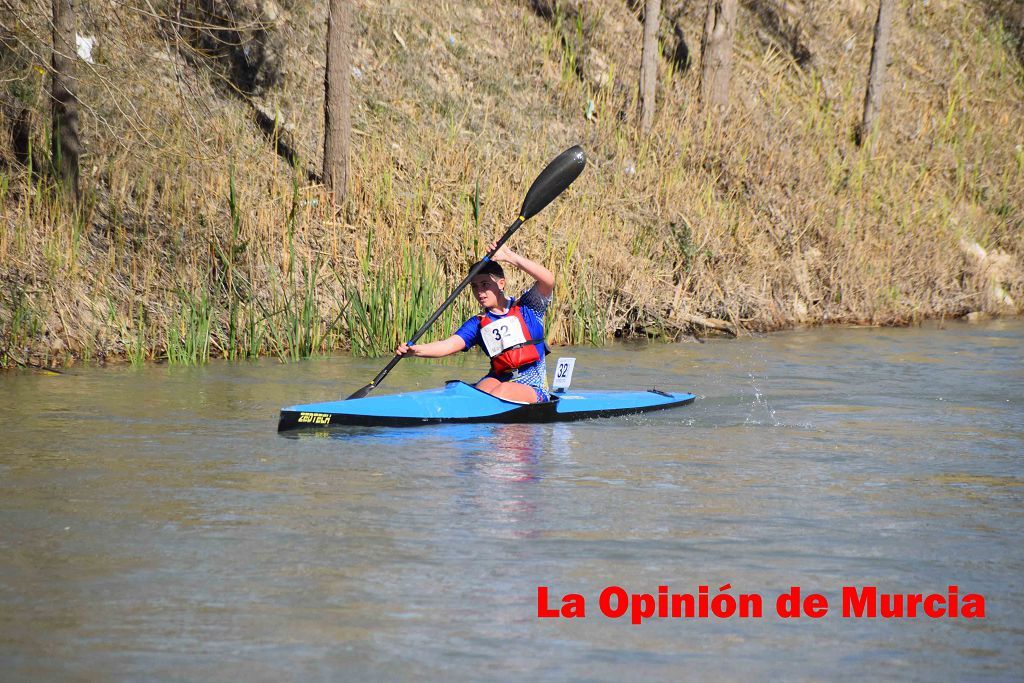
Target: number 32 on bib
<point x="503" y="334"/>
<point x="507" y="343"/>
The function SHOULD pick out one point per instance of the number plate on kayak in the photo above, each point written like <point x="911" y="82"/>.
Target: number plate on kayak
<point x="563" y="373"/>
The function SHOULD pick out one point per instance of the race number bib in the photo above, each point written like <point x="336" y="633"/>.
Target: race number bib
<point x="502" y="334"/>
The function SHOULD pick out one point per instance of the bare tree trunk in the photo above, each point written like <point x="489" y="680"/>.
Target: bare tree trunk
<point x="716" y="54"/>
<point x="876" y="75"/>
<point x="20" y="118"/>
<point x="337" y="122"/>
<point x="649" y="64"/>
<point x="66" y="146"/>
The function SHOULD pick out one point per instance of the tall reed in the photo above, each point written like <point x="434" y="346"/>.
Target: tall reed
<point x="392" y="302"/>
<point x="189" y="336"/>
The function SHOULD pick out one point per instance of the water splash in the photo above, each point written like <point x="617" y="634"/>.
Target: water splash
<point x="760" y="406"/>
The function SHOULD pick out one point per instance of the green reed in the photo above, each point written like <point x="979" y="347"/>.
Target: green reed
<point x="190" y="332"/>
<point x="19" y="330"/>
<point x="294" y="327"/>
<point x="135" y="347"/>
<point x="254" y="335"/>
<point x="304" y="329"/>
<point x="235" y="250"/>
<point x="392" y="303"/>
<point x="589" y="320"/>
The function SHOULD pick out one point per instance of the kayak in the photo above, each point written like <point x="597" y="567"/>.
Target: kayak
<point x="459" y="402"/>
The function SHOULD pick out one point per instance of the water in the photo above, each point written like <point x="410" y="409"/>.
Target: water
<point x="154" y="525"/>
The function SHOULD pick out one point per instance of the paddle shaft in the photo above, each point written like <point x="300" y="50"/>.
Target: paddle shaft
<point x="447" y="302"/>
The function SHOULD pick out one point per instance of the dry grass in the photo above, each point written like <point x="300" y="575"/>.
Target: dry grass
<point x="774" y="220"/>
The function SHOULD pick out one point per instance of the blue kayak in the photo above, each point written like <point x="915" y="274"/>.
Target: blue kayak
<point x="461" y="402"/>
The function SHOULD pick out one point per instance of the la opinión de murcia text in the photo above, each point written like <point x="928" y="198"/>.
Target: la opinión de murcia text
<point x="857" y="602"/>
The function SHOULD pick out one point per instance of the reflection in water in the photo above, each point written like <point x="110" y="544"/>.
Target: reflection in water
<point x="499" y="472"/>
<point x="506" y="452"/>
<point x="497" y="465"/>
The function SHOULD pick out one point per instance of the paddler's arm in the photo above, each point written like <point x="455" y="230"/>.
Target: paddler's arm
<point x="437" y="349"/>
<point x="544" y="277"/>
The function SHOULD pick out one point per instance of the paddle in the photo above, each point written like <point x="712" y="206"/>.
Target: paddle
<point x="551" y="182"/>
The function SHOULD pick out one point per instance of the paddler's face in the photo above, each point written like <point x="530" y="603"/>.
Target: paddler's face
<point x="487" y="290"/>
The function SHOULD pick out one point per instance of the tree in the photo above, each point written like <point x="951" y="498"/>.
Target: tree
<point x="716" y="54"/>
<point x="876" y="73"/>
<point x="649" y="64"/>
<point x="337" y="122"/>
<point x="65" y="144"/>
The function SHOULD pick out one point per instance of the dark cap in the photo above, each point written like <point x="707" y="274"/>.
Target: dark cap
<point x="490" y="268"/>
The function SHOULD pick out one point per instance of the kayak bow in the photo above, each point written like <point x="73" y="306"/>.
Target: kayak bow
<point x="460" y="402"/>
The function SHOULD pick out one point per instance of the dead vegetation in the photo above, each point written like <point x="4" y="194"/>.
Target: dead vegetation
<point x="197" y="236"/>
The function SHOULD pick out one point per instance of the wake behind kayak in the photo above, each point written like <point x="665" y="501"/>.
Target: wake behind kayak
<point x="458" y="402"/>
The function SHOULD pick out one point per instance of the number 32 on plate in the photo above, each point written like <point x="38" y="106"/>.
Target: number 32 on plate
<point x="563" y="373"/>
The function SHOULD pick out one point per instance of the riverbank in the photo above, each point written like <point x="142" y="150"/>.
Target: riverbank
<point x="197" y="240"/>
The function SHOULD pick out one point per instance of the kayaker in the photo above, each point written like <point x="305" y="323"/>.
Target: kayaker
<point x="509" y="330"/>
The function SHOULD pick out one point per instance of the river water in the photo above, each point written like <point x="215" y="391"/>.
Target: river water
<point x="154" y="525"/>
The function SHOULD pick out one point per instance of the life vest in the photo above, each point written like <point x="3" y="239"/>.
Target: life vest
<point x="506" y="341"/>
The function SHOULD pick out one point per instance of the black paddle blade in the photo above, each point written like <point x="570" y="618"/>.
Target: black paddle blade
<point x="362" y="392"/>
<point x="553" y="180"/>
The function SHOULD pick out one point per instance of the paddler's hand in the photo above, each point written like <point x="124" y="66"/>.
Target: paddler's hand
<point x="544" y="277"/>
<point x="404" y="350"/>
<point x="504" y="254"/>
